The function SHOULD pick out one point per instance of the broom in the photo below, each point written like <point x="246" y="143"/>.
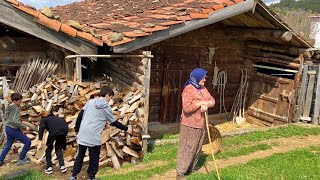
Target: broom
<point x="214" y="160"/>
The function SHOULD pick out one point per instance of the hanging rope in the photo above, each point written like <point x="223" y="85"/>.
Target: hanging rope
<point x="222" y="81"/>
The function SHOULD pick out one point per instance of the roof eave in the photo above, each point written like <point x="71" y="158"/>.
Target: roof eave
<point x="24" y="22"/>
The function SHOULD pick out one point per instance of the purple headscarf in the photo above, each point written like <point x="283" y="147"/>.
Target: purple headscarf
<point x="195" y="77"/>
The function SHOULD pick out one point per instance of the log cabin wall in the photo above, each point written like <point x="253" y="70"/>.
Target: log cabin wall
<point x="175" y="58"/>
<point x="17" y="48"/>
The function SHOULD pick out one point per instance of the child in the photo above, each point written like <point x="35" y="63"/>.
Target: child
<point x="90" y="123"/>
<point x="58" y="130"/>
<point x="13" y="131"/>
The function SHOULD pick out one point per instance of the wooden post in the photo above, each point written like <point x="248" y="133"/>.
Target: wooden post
<point x="302" y="94"/>
<point x="145" y="135"/>
<point x="315" y="117"/>
<point x="5" y="91"/>
<point x="78" y="70"/>
<point x="308" y="101"/>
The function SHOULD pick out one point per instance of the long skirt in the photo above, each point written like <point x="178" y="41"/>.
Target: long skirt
<point x="190" y="144"/>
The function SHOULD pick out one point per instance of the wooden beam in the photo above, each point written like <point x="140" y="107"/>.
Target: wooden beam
<point x="309" y="96"/>
<point x="264" y="11"/>
<point x="302" y="93"/>
<point x="259" y="33"/>
<point x="146" y="103"/>
<point x="25" y="22"/>
<point x="275" y="47"/>
<point x="315" y="117"/>
<point x="179" y="29"/>
<point x="78" y="69"/>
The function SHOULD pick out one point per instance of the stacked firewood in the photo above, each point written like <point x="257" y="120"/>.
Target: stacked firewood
<point x="65" y="99"/>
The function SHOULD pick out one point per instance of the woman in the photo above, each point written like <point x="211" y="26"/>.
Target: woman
<point x="195" y="102"/>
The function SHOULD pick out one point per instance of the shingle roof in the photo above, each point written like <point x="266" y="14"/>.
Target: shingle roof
<point x="116" y="22"/>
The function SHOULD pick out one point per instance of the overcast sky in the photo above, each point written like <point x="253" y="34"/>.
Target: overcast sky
<point x="53" y="3"/>
<point x="48" y="3"/>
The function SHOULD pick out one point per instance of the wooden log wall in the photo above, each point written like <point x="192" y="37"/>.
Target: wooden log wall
<point x="131" y="73"/>
<point x="16" y="50"/>
<point x="175" y="58"/>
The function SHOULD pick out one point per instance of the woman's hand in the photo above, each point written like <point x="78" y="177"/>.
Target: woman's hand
<point x="204" y="108"/>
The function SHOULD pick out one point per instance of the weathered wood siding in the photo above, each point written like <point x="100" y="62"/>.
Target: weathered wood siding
<point x="176" y="57"/>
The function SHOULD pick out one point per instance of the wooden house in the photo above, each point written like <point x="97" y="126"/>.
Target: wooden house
<point x="235" y="36"/>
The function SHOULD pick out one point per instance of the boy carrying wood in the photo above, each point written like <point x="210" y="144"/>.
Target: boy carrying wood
<point x="58" y="130"/>
<point x="13" y="127"/>
<point x="89" y="125"/>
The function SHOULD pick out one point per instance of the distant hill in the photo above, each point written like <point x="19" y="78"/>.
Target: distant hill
<point x="307" y="5"/>
<point x="269" y="2"/>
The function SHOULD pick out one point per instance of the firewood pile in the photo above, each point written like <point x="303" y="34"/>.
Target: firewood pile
<point x="65" y="99"/>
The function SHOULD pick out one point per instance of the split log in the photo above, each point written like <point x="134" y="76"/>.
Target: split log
<point x="274" y="61"/>
<point x="250" y="33"/>
<point x="275" y="47"/>
<point x="66" y="99"/>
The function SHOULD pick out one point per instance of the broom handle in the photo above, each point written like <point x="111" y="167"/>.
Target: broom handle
<point x="208" y="130"/>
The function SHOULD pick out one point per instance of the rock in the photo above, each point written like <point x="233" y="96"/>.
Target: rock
<point x="115" y="37"/>
<point x="74" y="24"/>
<point x="182" y="13"/>
<point x="150" y="25"/>
<point x="57" y="17"/>
<point x="138" y="32"/>
<point x="47" y="12"/>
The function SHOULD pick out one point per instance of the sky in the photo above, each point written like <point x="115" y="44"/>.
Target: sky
<point x="53" y="3"/>
<point x="48" y="3"/>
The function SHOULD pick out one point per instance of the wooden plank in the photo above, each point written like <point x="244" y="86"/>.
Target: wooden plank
<point x="78" y="69"/>
<point x="309" y="96"/>
<point x="26" y="23"/>
<point x="315" y="117"/>
<point x="302" y="93"/>
<point x="115" y="162"/>
<point x="146" y="103"/>
<point x="131" y="152"/>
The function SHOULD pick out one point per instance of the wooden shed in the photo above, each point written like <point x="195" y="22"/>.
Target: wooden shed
<point x="236" y="36"/>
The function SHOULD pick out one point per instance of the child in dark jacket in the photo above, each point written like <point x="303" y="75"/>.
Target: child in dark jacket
<point x="13" y="131"/>
<point x="58" y="130"/>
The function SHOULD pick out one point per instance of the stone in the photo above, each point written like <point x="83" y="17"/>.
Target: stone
<point x="74" y="24"/>
<point x="150" y="25"/>
<point x="115" y="37"/>
<point x="47" y="12"/>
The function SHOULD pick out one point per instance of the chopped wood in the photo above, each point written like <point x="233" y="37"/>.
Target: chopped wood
<point x="130" y="152"/>
<point x="65" y="99"/>
<point x="115" y="162"/>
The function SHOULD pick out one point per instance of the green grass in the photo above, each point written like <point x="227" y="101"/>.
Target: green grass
<point x="297" y="164"/>
<point x="142" y="174"/>
<point x="285" y="132"/>
<point x="243" y="151"/>
<point x="26" y="175"/>
<point x="170" y="136"/>
<point x="165" y="152"/>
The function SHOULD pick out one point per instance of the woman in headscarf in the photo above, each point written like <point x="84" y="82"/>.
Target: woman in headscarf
<point x="196" y="100"/>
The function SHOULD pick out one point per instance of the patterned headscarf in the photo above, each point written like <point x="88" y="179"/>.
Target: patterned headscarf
<point x="195" y="77"/>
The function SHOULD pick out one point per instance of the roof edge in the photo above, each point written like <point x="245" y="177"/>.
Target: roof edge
<point x="179" y="29"/>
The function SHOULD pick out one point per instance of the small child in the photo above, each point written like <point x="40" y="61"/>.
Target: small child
<point x="13" y="131"/>
<point x="58" y="130"/>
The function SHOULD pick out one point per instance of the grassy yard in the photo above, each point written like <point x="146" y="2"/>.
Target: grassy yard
<point x="232" y="147"/>
<point x="298" y="164"/>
